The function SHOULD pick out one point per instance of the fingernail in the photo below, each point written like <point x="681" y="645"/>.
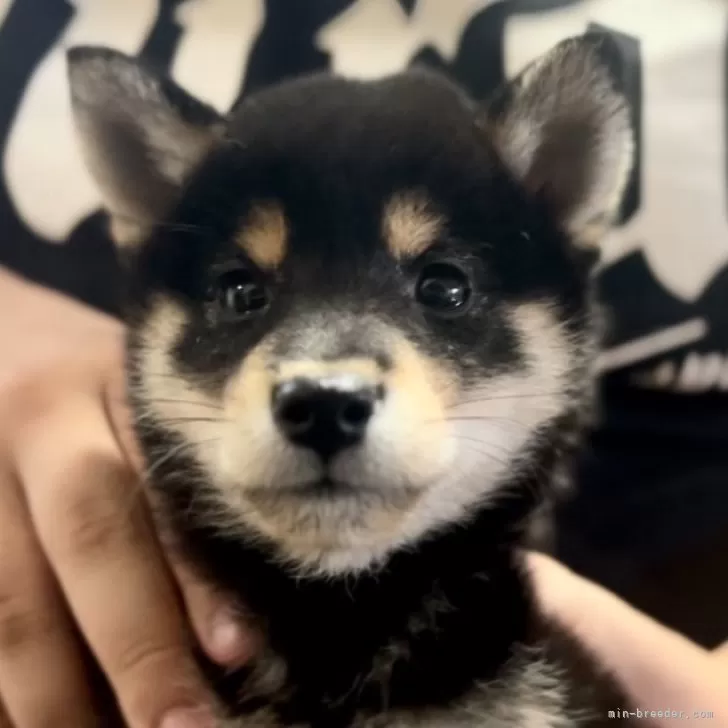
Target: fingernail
<point x="189" y="718"/>
<point x="228" y="641"/>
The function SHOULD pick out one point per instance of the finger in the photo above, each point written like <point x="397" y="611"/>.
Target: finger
<point x="104" y="552"/>
<point x="42" y="677"/>
<point x="4" y="719"/>
<point x="721" y="652"/>
<point x="219" y="627"/>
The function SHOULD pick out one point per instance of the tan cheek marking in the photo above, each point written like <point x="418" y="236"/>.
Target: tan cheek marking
<point x="410" y="226"/>
<point x="425" y="390"/>
<point x="264" y="235"/>
<point x="164" y="325"/>
<point x="252" y="452"/>
<point x="163" y="388"/>
<point x="232" y="433"/>
<point x="547" y="345"/>
<point x="168" y="396"/>
<point x="367" y="369"/>
<point x="431" y="387"/>
<point x="249" y="391"/>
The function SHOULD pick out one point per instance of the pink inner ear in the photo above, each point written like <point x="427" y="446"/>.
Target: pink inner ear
<point x="140" y="135"/>
<point x="565" y="133"/>
<point x="563" y="167"/>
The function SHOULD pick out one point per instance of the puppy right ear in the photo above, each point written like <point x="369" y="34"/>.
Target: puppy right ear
<point x="141" y="135"/>
<point x="565" y="133"/>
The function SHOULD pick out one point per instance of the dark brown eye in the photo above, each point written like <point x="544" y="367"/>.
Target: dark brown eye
<point x="444" y="288"/>
<point x="240" y="295"/>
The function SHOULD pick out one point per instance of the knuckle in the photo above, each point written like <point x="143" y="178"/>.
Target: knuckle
<point x="141" y="658"/>
<point x="96" y="509"/>
<point x="27" y="400"/>
<point x="20" y="624"/>
<point x="25" y="394"/>
<point x="93" y="525"/>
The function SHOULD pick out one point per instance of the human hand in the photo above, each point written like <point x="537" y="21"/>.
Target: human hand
<point x="658" y="668"/>
<point x="79" y="561"/>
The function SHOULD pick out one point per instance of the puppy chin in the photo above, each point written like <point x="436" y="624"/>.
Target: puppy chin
<point x="331" y="529"/>
<point x="348" y="560"/>
<point x="341" y="518"/>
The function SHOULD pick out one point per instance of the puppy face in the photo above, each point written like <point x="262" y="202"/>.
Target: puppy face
<point x="356" y="308"/>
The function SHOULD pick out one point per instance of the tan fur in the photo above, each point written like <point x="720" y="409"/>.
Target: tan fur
<point x="235" y="438"/>
<point x="408" y="439"/>
<point x="491" y="425"/>
<point x="406" y="447"/>
<point x="440" y="450"/>
<point x="410" y="226"/>
<point x="264" y="235"/>
<point x="177" y="403"/>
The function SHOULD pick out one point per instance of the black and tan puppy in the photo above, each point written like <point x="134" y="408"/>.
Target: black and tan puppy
<point x="360" y="342"/>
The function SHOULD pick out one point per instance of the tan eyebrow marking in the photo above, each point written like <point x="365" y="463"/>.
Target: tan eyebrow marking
<point x="410" y="225"/>
<point x="264" y="234"/>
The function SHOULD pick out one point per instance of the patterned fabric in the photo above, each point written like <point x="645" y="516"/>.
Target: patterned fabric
<point x="658" y="467"/>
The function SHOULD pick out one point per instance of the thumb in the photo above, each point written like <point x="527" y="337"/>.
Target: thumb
<point x="218" y="626"/>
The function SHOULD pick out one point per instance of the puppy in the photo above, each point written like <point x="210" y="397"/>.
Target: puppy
<point x="360" y="341"/>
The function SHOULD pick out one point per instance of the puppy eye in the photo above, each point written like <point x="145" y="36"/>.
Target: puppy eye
<point x="444" y="288"/>
<point x="240" y="295"/>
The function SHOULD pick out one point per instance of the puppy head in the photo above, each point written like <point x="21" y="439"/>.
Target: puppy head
<point x="358" y="307"/>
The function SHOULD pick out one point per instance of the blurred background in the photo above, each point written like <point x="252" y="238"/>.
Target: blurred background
<point x="650" y="516"/>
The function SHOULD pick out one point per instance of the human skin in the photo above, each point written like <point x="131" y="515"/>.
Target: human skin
<point x="77" y="553"/>
<point x="659" y="668"/>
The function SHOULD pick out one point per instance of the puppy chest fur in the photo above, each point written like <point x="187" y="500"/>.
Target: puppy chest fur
<point x="532" y="690"/>
<point x="361" y="335"/>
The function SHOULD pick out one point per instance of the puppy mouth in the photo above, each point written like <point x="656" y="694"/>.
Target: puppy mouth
<point x="327" y="516"/>
<point x="327" y="490"/>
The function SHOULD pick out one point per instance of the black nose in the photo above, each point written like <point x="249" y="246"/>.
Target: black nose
<point x="324" y="419"/>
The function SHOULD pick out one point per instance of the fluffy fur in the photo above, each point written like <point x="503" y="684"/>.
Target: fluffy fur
<point x="420" y="263"/>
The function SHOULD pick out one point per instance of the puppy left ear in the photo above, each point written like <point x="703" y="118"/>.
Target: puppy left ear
<point x="564" y="132"/>
<point x="140" y="134"/>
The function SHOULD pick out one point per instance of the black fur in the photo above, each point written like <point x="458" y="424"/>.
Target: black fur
<point x="351" y="147"/>
<point x="332" y="153"/>
<point x="455" y="607"/>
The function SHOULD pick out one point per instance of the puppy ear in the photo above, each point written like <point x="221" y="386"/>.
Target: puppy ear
<point x="564" y="132"/>
<point x="140" y="135"/>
